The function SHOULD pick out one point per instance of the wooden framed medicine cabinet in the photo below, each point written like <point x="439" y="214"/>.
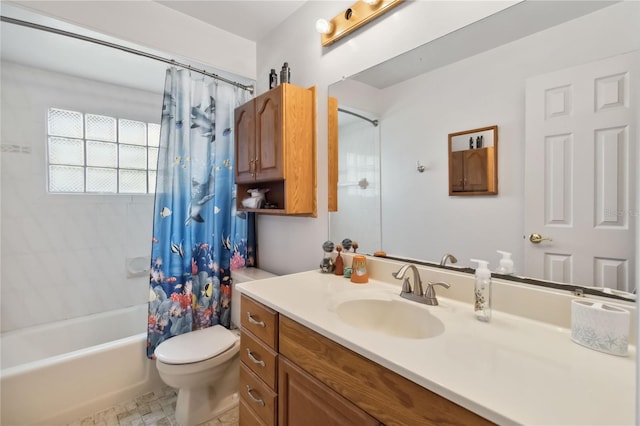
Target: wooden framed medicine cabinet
<point x="473" y="162"/>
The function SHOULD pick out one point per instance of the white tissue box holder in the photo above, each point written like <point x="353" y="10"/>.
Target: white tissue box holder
<point x="600" y="326"/>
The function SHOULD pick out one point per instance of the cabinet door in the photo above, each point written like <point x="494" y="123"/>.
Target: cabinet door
<point x="475" y="170"/>
<point x="269" y="133"/>
<point x="304" y="400"/>
<point x="457" y="170"/>
<point x="245" y="142"/>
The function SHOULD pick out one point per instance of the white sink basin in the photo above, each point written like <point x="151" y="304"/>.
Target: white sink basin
<point x="390" y="317"/>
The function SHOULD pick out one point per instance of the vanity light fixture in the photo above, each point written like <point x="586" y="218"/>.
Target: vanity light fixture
<point x="362" y="12"/>
<point x="323" y="26"/>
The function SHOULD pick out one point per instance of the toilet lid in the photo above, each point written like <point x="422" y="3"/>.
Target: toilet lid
<point x="195" y="346"/>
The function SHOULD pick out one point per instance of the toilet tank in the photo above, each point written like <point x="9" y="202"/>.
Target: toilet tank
<point x="242" y="276"/>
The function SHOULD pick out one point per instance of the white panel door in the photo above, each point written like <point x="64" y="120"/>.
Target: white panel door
<point x="580" y="173"/>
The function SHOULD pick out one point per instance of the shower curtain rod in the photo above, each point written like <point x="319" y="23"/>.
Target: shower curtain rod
<point x="124" y="49"/>
<point x="374" y="122"/>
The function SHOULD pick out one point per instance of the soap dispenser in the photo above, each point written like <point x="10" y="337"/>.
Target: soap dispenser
<point x="482" y="290"/>
<point x="506" y="264"/>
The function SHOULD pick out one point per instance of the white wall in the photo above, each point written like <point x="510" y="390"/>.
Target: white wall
<point x="63" y="256"/>
<point x="312" y="64"/>
<point x="291" y="244"/>
<point x="487" y="89"/>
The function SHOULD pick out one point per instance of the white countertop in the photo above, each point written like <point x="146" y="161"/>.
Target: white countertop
<point x="512" y="370"/>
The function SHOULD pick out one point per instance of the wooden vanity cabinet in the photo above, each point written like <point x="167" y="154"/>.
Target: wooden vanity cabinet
<point x="275" y="149"/>
<point x="320" y="382"/>
<point x="374" y="389"/>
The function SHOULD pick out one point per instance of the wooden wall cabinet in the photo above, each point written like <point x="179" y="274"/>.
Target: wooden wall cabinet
<point x="472" y="170"/>
<point x="320" y="382"/>
<point x="473" y="162"/>
<point x="275" y="149"/>
<point x="333" y="153"/>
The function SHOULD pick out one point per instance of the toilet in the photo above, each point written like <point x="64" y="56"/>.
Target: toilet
<point x="204" y="365"/>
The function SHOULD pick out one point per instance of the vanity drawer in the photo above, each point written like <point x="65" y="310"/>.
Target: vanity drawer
<point x="259" y="320"/>
<point x="248" y="417"/>
<point x="257" y="396"/>
<point x="259" y="358"/>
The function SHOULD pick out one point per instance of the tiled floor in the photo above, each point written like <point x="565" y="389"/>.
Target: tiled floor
<point x="150" y="409"/>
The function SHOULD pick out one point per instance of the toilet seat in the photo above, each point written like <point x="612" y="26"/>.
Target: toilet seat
<point x="195" y="346"/>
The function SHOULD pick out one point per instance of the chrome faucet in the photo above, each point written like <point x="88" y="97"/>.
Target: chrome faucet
<point x="429" y="297"/>
<point x="407" y="292"/>
<point x="446" y="257"/>
<point x="430" y="293"/>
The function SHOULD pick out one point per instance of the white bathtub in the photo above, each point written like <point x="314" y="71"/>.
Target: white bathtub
<point x="61" y="372"/>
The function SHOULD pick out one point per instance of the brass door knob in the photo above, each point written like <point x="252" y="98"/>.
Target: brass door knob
<point x="536" y="238"/>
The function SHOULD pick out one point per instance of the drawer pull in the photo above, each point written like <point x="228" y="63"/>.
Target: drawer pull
<point x="253" y="321"/>
<point x="258" y="401"/>
<point x="254" y="359"/>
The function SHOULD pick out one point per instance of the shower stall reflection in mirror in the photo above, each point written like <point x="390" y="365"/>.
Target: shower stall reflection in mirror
<point x="358" y="181"/>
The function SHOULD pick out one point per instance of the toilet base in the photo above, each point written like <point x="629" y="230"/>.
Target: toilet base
<point x="194" y="406"/>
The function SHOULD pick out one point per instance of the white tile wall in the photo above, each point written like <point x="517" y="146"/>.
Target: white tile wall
<point x="63" y="256"/>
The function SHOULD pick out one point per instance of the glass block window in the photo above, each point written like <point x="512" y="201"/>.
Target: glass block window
<point x="101" y="128"/>
<point x="133" y="132"/>
<point x="100" y="154"/>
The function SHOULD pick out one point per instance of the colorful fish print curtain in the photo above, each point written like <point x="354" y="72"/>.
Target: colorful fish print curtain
<point x="198" y="237"/>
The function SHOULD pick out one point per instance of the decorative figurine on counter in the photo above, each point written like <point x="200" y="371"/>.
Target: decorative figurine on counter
<point x="347" y="272"/>
<point x="346" y="244"/>
<point x="355" y="246"/>
<point x="339" y="262"/>
<point x="471" y="142"/>
<point x="479" y="141"/>
<point x="327" y="265"/>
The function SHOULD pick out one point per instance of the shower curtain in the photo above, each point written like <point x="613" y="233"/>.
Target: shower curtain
<point x="198" y="237"/>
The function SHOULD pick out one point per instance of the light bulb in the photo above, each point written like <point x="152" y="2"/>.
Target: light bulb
<point x="371" y="2"/>
<point x="323" y="26"/>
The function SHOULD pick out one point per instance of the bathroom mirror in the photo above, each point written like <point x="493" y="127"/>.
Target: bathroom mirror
<point x="473" y="165"/>
<point x="463" y="81"/>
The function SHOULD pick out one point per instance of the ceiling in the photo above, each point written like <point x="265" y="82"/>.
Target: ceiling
<point x="250" y="19"/>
